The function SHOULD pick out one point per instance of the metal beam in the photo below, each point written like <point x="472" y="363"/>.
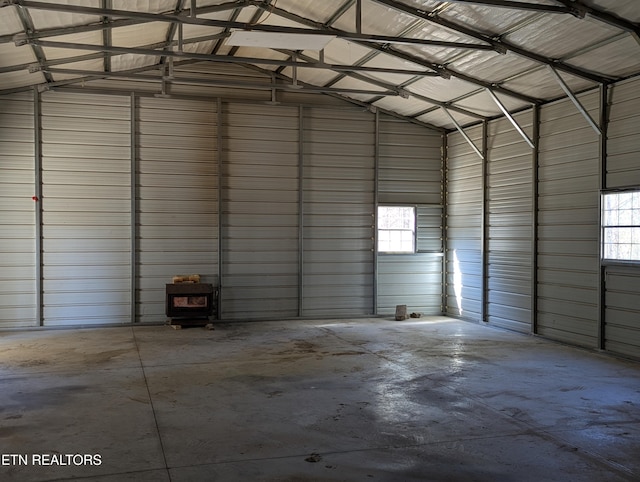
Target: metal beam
<point x="37" y="198"/>
<point x="517" y="5"/>
<point x="220" y="83"/>
<point x="463" y="133"/>
<point x="133" y="176"/>
<point x="575" y="100"/>
<point x="106" y="36"/>
<point x="180" y="19"/>
<point x="218" y="58"/>
<point x="606" y="17"/>
<point x="27" y="25"/>
<point x="510" y="117"/>
<point x="442" y="70"/>
<point x="386" y="85"/>
<point x="121" y="22"/>
<point x="34" y="67"/>
<point x="497" y="44"/>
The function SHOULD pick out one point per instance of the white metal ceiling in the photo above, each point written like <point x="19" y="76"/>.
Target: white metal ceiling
<point x="423" y="59"/>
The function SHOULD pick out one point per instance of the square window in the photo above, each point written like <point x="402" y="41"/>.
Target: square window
<point x="396" y="229"/>
<point x="621" y="226"/>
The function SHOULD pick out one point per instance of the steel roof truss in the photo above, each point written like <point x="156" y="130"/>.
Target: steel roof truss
<point x="508" y="115"/>
<point x="462" y="132"/>
<point x="575" y="100"/>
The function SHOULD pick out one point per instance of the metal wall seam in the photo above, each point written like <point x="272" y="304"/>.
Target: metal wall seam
<point x="534" y="219"/>
<point x="300" y="210"/>
<point x="445" y="258"/>
<point x="602" y="173"/>
<point x="37" y="126"/>
<point x="220" y="120"/>
<point x="376" y="189"/>
<point x="134" y="207"/>
<point x="484" y="254"/>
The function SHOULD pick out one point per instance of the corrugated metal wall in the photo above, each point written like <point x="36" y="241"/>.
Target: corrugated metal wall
<point x="410" y="173"/>
<point x="260" y="205"/>
<point x="177" y="206"/>
<point x="464" y="226"/>
<point x="17" y="218"/>
<point x="86" y="209"/>
<point x="568" y="218"/>
<point x="509" y="217"/>
<point x="622" y="283"/>
<point x="338" y="193"/>
<point x="623" y="147"/>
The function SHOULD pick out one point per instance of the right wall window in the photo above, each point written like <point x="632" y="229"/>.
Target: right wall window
<point x="621" y="226"/>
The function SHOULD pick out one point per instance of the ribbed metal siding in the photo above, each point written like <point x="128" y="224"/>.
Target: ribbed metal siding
<point x="177" y="197"/>
<point x="17" y="231"/>
<point x="509" y="228"/>
<point x="86" y="209"/>
<point x="339" y="173"/>
<point x="260" y="211"/>
<point x="568" y="214"/>
<point x="623" y="148"/>
<point x="464" y="226"/>
<point x="622" y="284"/>
<point x="410" y="173"/>
<point x="622" y="329"/>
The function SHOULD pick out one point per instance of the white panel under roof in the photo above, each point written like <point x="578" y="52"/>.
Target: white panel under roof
<point x="263" y="54"/>
<point x="620" y="58"/>
<point x="152" y="6"/>
<point x="442" y="89"/>
<point x="139" y="35"/>
<point x="312" y="9"/>
<point x="626" y="9"/>
<point x="482" y="103"/>
<point x="22" y="78"/>
<point x="387" y="61"/>
<point x="542" y="84"/>
<point x="313" y="76"/>
<point x="344" y="53"/>
<point x="95" y="65"/>
<point x="91" y="38"/>
<point x="438" y="54"/>
<point x="491" y="66"/>
<point x="376" y="19"/>
<point x="247" y="13"/>
<point x="43" y="19"/>
<point x="10" y="22"/>
<point x="132" y="61"/>
<point x="11" y="55"/>
<point x="440" y="118"/>
<point x="204" y="47"/>
<point x="407" y="107"/>
<point x="349" y="83"/>
<point x="559" y="35"/>
<point x="490" y="20"/>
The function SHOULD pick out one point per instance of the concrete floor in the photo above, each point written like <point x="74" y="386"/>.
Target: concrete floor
<point x="434" y="399"/>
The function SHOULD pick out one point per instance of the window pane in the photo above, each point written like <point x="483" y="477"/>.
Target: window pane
<point x="396" y="229"/>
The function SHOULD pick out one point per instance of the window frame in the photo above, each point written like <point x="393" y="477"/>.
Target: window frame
<point x="414" y="250"/>
<point x="605" y="261"/>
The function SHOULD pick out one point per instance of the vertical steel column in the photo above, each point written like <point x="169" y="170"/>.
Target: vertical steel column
<point x="602" y="174"/>
<point x="37" y="139"/>
<point x="300" y="211"/>
<point x="220" y="232"/>
<point x="534" y="219"/>
<point x="134" y="206"/>
<point x="445" y="209"/>
<point x="376" y="180"/>
<point x="484" y="254"/>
